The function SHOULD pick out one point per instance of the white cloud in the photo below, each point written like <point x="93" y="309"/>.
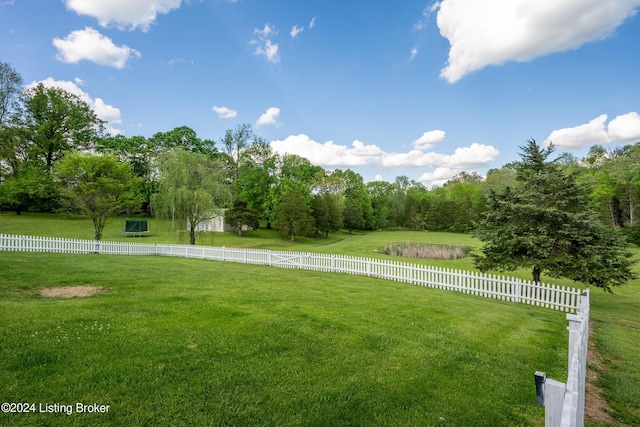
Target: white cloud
<point x="104" y="111"/>
<point x="89" y="44"/>
<point x="267" y="31"/>
<point x="270" y="50"/>
<point x="491" y="32"/>
<point x="439" y="176"/>
<point x="269" y="117"/>
<point x="414" y="53"/>
<point x="295" y="30"/>
<point x="224" y="112"/>
<point x="124" y="14"/>
<point x="464" y="157"/>
<point x="428" y="139"/>
<point x="329" y="154"/>
<point x="264" y="44"/>
<point x="179" y="61"/>
<point x="426" y="14"/>
<point x="623" y="128"/>
<point x="312" y="23"/>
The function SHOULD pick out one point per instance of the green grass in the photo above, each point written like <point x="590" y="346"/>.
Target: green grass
<point x="616" y="333"/>
<point x="377" y="313"/>
<point x="193" y="342"/>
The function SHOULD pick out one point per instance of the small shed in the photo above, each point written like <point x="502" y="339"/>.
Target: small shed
<point x="217" y="223"/>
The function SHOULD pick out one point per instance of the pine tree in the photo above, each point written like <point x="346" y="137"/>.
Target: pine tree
<point x="546" y="223"/>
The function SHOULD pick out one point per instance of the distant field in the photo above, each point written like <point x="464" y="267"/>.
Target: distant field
<point x="219" y="334"/>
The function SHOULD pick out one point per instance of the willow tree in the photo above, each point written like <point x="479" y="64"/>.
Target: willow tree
<point x="190" y="189"/>
<point x="546" y="223"/>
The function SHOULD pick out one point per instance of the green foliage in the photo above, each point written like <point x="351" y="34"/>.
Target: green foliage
<point x="326" y="213"/>
<point x="183" y="138"/>
<point x="546" y="224"/>
<point x="190" y="189"/>
<point x="240" y="215"/>
<point x="358" y="213"/>
<point x="141" y="154"/>
<point x="57" y="123"/>
<point x="97" y="186"/>
<point x="353" y="218"/>
<point x="27" y="187"/>
<point x="294" y="215"/>
<point x="10" y="88"/>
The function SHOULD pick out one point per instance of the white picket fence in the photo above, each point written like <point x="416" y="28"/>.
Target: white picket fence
<point x="564" y="403"/>
<point x="475" y="283"/>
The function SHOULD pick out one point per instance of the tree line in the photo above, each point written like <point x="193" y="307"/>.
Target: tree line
<point x="56" y="154"/>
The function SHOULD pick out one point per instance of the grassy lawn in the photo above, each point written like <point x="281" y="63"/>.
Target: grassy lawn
<point x="194" y="342"/>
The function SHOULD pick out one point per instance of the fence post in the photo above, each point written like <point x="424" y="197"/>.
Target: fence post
<point x="553" y="402"/>
<point x="518" y="289"/>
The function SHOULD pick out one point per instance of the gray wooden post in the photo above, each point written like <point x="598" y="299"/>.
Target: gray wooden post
<point x="553" y="402"/>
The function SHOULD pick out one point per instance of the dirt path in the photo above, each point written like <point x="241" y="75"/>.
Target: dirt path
<point x="596" y="409"/>
<point x="72" y="291"/>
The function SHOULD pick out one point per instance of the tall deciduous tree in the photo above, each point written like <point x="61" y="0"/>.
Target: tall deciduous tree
<point x="188" y="187"/>
<point x="356" y="196"/>
<point x="141" y="153"/>
<point x="326" y="213"/>
<point x="182" y="138"/>
<point x="97" y="186"/>
<point x="546" y="224"/>
<point x="58" y="122"/>
<point x="10" y="89"/>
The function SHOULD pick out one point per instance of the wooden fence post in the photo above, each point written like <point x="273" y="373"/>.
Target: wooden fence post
<point x="553" y="402"/>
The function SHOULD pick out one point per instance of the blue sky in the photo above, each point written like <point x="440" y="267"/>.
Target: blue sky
<point x="415" y="88"/>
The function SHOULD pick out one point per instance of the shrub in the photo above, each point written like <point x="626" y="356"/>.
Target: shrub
<point x="426" y="251"/>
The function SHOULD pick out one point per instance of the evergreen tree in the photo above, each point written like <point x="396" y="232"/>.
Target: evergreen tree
<point x="294" y="216"/>
<point x="546" y="223"/>
<point x="240" y="215"/>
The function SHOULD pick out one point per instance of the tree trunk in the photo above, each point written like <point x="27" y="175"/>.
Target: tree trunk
<point x="536" y="275"/>
<point x="192" y="235"/>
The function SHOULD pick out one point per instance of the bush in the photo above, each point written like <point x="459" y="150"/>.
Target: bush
<point x="426" y="251"/>
<point x="632" y="234"/>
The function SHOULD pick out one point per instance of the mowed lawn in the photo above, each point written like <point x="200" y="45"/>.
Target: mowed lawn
<point x="194" y="342"/>
<point x="615" y="328"/>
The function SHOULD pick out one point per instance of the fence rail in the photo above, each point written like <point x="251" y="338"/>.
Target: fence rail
<point x="475" y="283"/>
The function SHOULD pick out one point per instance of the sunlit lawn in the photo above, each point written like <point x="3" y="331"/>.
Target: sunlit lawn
<point x="194" y="342"/>
<point x="145" y="289"/>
